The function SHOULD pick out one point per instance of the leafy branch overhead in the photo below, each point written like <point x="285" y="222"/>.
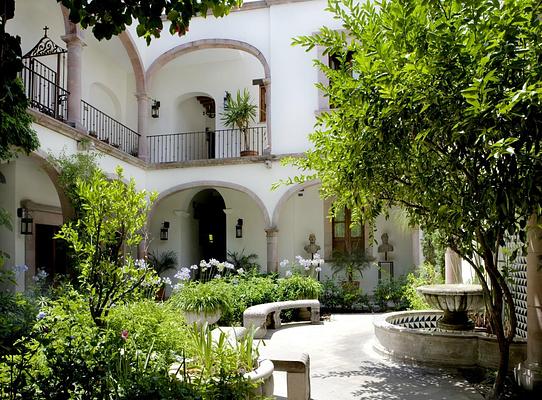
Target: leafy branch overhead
<point x="110" y="18"/>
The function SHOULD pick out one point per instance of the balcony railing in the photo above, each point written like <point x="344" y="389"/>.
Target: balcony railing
<point x="108" y="129"/>
<point x="43" y="93"/>
<point x="188" y="146"/>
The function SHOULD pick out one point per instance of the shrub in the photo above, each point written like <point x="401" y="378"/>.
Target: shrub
<point x="390" y="291"/>
<point x="202" y="297"/>
<point x="298" y="287"/>
<point x="425" y="274"/>
<point x="17" y="317"/>
<point x="345" y="296"/>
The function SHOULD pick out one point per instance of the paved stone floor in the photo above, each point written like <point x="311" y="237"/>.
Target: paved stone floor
<point x="344" y="365"/>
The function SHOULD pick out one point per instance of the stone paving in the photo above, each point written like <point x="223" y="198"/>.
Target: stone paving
<point x="344" y="365"/>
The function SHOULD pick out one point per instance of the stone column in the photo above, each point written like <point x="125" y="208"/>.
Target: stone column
<point x="143" y="108"/>
<point x="272" y="249"/>
<point x="267" y="83"/>
<point x="452" y="267"/>
<point x="529" y="373"/>
<point x="75" y="44"/>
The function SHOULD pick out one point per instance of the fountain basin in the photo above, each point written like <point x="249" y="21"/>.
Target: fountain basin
<point x="414" y="336"/>
<point x="455" y="300"/>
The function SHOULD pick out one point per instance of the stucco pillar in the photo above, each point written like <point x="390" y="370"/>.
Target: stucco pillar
<point x="272" y="249"/>
<point x="143" y="106"/>
<point x="452" y="267"/>
<point x="74" y="43"/>
<point x="529" y="373"/>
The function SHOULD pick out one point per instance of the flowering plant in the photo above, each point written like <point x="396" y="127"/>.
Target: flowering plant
<point x="204" y="272"/>
<point x="304" y="266"/>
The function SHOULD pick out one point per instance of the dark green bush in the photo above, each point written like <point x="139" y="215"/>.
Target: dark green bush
<point x="342" y="296"/>
<point x="298" y="287"/>
<point x="17" y="317"/>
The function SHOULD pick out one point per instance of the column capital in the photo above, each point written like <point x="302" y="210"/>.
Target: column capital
<point x="73" y="39"/>
<point x="271" y="231"/>
<point x="142" y="96"/>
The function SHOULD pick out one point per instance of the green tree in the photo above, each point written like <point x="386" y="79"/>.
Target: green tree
<point x="437" y="110"/>
<point x="104" y="239"/>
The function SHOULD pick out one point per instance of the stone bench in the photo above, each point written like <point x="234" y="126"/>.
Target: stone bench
<point x="257" y="315"/>
<point x="297" y="368"/>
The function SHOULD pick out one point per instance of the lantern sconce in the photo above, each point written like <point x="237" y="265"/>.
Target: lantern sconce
<point x="155" y="109"/>
<point x="164" y="230"/>
<point x="27" y="222"/>
<point x="239" y="229"/>
<point x="227" y="96"/>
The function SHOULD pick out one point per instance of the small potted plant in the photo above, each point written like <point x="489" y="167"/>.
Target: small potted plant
<point x="202" y="302"/>
<point x="239" y="113"/>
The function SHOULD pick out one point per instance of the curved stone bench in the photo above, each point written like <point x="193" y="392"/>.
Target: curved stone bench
<point x="256" y="316"/>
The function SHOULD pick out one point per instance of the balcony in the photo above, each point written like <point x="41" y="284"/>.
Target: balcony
<point x="109" y="130"/>
<point x="205" y="145"/>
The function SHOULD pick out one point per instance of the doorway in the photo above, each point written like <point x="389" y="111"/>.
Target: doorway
<point x="209" y="212"/>
<point x="50" y="253"/>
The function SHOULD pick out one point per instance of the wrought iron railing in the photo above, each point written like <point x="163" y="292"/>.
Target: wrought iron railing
<point x="187" y="146"/>
<point x="43" y="93"/>
<point x="108" y="129"/>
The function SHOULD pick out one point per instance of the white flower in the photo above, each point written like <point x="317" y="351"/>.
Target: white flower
<point x="20" y="269"/>
<point x="166" y="280"/>
<point x="214" y="262"/>
<point x="141" y="264"/>
<point x="307" y="267"/>
<point x="240" y="271"/>
<point x="284" y="263"/>
<point x="178" y="286"/>
<point x="194" y="267"/>
<point x="217" y="276"/>
<point x="220" y="267"/>
<point x="183" y="274"/>
<point x="298" y="258"/>
<point x="288" y="274"/>
<point x="229" y="265"/>
<point x="203" y="265"/>
<point x="317" y="269"/>
<point x="316" y="256"/>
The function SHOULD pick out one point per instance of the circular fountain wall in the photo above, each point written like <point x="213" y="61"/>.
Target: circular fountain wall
<point x="415" y="336"/>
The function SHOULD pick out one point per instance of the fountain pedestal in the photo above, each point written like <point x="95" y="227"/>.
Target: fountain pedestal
<point x="456" y="300"/>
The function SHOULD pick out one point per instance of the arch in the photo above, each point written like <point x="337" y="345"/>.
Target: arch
<point x="218" y="44"/>
<point x="210" y="185"/>
<point x="286" y="196"/>
<point x="135" y="60"/>
<point x="53" y="173"/>
<point x="206" y="44"/>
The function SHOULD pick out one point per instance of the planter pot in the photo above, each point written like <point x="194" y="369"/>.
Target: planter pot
<point x="248" y="153"/>
<point x="201" y="317"/>
<point x="264" y="374"/>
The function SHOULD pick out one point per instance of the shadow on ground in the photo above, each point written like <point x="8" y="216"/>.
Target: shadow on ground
<point x="404" y="382"/>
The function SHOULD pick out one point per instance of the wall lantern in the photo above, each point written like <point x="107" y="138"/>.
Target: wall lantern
<point x="164" y="230"/>
<point x="239" y="228"/>
<point x="27" y="222"/>
<point x="155" y="109"/>
<point x="227" y="96"/>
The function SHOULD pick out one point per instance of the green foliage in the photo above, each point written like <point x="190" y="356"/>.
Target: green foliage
<point x="17" y="317"/>
<point x="390" y="293"/>
<point x="342" y="297"/>
<point x="297" y="287"/>
<point x="165" y="261"/>
<point x="16" y="133"/>
<point x="111" y="226"/>
<point x="246" y="262"/>
<point x="148" y="322"/>
<point x="434" y="249"/>
<point x="111" y="18"/>
<point x="437" y="112"/>
<point x="425" y="274"/>
<point x="206" y="297"/>
<point x="239" y="112"/>
<point x="246" y="292"/>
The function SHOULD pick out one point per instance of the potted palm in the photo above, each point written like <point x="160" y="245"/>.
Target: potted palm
<point x="239" y="113"/>
<point x="350" y="264"/>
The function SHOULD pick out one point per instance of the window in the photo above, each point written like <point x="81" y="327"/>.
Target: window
<point x="346" y="238"/>
<point x="263" y="104"/>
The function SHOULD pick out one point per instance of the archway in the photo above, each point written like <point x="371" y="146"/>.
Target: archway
<point x="209" y="208"/>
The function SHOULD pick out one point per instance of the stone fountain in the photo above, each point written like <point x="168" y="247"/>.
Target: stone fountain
<point x="456" y="300"/>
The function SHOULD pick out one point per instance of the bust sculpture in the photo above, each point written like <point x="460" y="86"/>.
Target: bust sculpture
<point x="312" y="247"/>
